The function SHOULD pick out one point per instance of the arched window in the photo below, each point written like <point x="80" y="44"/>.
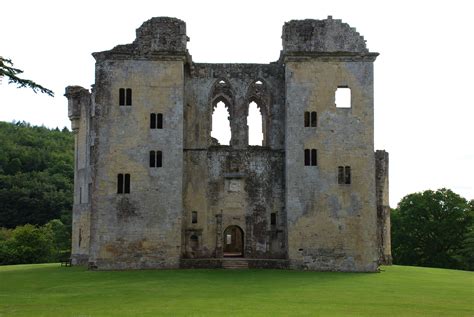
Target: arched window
<point x="255" y="122"/>
<point x="221" y="124"/>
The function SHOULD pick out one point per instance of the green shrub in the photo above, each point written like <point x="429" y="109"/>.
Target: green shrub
<point x="28" y="244"/>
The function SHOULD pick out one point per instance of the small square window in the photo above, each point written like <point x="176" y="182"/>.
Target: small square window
<point x="273" y="219"/>
<point x="343" y="97"/>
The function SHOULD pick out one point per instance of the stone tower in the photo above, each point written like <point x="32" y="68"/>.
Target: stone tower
<point x="154" y="190"/>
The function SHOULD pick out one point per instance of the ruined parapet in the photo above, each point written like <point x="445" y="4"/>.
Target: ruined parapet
<point x="162" y="34"/>
<point x="76" y="96"/>
<point x="383" y="207"/>
<point x="323" y="37"/>
<point x="157" y="37"/>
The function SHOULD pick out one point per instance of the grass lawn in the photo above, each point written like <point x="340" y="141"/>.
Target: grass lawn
<point x="51" y="290"/>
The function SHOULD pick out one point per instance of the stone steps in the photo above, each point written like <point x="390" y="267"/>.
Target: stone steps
<point x="235" y="264"/>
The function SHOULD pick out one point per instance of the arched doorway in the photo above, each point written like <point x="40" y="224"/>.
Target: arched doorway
<point x="233" y="242"/>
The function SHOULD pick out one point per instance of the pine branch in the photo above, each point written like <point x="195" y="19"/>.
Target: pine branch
<point x="7" y="70"/>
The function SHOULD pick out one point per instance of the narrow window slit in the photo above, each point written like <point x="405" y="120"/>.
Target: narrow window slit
<point x="128" y="96"/>
<point x="159" y="159"/>
<point x="121" y="97"/>
<point x="152" y="159"/>
<point x="306" y="119"/>
<point x="347" y="176"/>
<point x="314" y="119"/>
<point x="307" y="157"/>
<point x="120" y="184"/>
<point x="159" y="121"/>
<point x="314" y="157"/>
<point x="127" y="184"/>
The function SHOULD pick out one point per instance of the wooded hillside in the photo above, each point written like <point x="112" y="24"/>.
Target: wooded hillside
<point x="36" y="174"/>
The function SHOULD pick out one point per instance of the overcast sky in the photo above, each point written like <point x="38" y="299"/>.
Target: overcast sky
<point x="423" y="77"/>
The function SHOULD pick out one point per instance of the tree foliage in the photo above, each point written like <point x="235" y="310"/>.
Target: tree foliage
<point x="36" y="174"/>
<point x="33" y="244"/>
<point x="27" y="244"/>
<point x="7" y="69"/>
<point x="434" y="229"/>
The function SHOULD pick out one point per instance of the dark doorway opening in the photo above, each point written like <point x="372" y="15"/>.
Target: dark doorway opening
<point x="233" y="242"/>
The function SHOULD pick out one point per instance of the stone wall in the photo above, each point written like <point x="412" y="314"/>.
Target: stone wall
<point x="331" y="226"/>
<point x="383" y="207"/>
<point x="142" y="228"/>
<point x="80" y="113"/>
<point x="229" y="187"/>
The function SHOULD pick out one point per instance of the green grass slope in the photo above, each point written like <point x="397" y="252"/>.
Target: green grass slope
<point x="50" y="290"/>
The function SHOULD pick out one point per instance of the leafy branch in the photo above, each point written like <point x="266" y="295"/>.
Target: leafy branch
<point x="7" y="69"/>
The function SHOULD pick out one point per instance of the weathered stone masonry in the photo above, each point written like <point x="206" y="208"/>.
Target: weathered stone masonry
<point x="313" y="196"/>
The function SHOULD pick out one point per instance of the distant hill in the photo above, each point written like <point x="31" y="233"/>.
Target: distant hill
<point x="36" y="174"/>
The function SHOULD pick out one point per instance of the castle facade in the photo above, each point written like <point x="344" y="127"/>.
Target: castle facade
<point x="153" y="189"/>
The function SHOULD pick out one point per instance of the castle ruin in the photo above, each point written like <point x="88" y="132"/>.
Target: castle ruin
<point x="153" y="189"/>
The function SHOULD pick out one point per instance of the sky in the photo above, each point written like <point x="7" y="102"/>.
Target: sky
<point x="424" y="108"/>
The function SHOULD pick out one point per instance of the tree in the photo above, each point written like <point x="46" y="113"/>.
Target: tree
<point x="61" y="235"/>
<point x="466" y="254"/>
<point x="431" y="229"/>
<point x="27" y="244"/>
<point x="7" y="69"/>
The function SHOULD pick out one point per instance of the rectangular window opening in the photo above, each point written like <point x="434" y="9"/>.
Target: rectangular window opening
<point x="306" y="119"/>
<point x="159" y="121"/>
<point x="152" y="159"/>
<point x="121" y="97"/>
<point x="159" y="159"/>
<point x="314" y="157"/>
<point x="120" y="184"/>
<point x="344" y="175"/>
<point x="347" y="175"/>
<point x="152" y="121"/>
<point x="273" y="219"/>
<point x="307" y="157"/>
<point x="127" y="184"/>
<point x="343" y="97"/>
<point x="194" y="217"/>
<point x="314" y="119"/>
<point x="128" y="96"/>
